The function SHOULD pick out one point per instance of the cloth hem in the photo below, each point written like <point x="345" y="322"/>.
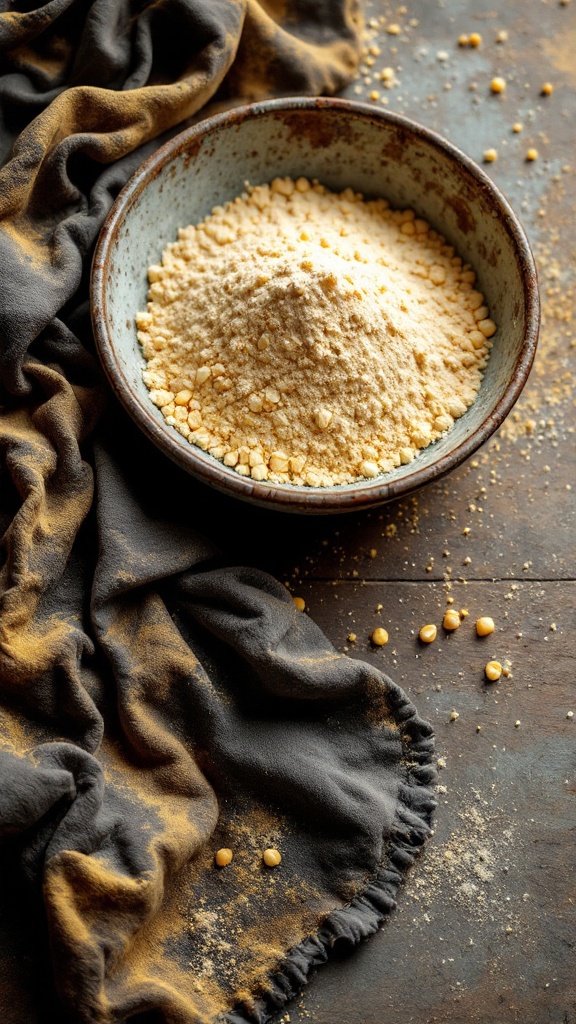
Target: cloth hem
<point x="368" y="910"/>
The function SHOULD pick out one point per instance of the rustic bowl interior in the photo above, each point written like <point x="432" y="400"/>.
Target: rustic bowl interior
<point x="342" y="145"/>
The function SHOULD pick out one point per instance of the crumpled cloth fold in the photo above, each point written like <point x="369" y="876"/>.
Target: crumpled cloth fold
<point x="155" y="703"/>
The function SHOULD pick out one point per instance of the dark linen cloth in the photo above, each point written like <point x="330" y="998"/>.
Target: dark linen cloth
<point x="156" y="704"/>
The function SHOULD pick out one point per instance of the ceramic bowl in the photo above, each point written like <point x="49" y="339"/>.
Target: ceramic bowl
<point x="341" y="144"/>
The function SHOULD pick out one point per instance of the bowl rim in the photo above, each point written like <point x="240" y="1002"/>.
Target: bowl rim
<point x="290" y="497"/>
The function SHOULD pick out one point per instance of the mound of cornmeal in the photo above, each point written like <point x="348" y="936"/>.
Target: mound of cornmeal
<point x="307" y="337"/>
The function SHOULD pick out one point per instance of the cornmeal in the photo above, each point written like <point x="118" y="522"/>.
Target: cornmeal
<point x="307" y="337"/>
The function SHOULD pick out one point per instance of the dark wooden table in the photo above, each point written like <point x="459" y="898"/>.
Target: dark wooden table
<point x="485" y="928"/>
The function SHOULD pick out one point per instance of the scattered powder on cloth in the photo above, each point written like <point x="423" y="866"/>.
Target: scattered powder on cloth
<point x="307" y="337"/>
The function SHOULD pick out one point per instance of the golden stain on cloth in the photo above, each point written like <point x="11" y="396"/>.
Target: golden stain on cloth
<point x="16" y="736"/>
<point x="269" y="29"/>
<point x="205" y="941"/>
<point x="173" y="800"/>
<point x="378" y="713"/>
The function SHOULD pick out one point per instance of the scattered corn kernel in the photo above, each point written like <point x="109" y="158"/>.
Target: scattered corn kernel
<point x="517" y="723"/>
<point x="547" y="89"/>
<point x="464" y="613"/>
<point x="428" y="634"/>
<point x="453" y="716"/>
<point x="300" y="603"/>
<point x="352" y="637"/>
<point x="517" y="127"/>
<point x="498" y="84"/>
<point x="493" y="671"/>
<point x="490" y="155"/>
<point x="374" y="95"/>
<point x="379" y="637"/>
<point x="271" y="858"/>
<point x="532" y="154"/>
<point x="223" y="857"/>
<point x="463" y="40"/>
<point x="475" y="39"/>
<point x="485" y="625"/>
<point x="569" y="714"/>
<point x="451" y="620"/>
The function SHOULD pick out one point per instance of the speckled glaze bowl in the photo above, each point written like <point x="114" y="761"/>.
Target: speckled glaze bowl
<point x="342" y="144"/>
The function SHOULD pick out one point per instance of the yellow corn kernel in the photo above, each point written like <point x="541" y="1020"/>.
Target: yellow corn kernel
<point x="493" y="671"/>
<point x="498" y="84"/>
<point x="379" y="637"/>
<point x="428" y="634"/>
<point x="451" y="620"/>
<point x="485" y="625"/>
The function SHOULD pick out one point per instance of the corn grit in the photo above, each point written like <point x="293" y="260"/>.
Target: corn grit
<point x="307" y="337"/>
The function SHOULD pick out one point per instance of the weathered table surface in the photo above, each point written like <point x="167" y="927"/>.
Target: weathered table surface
<point x="485" y="928"/>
